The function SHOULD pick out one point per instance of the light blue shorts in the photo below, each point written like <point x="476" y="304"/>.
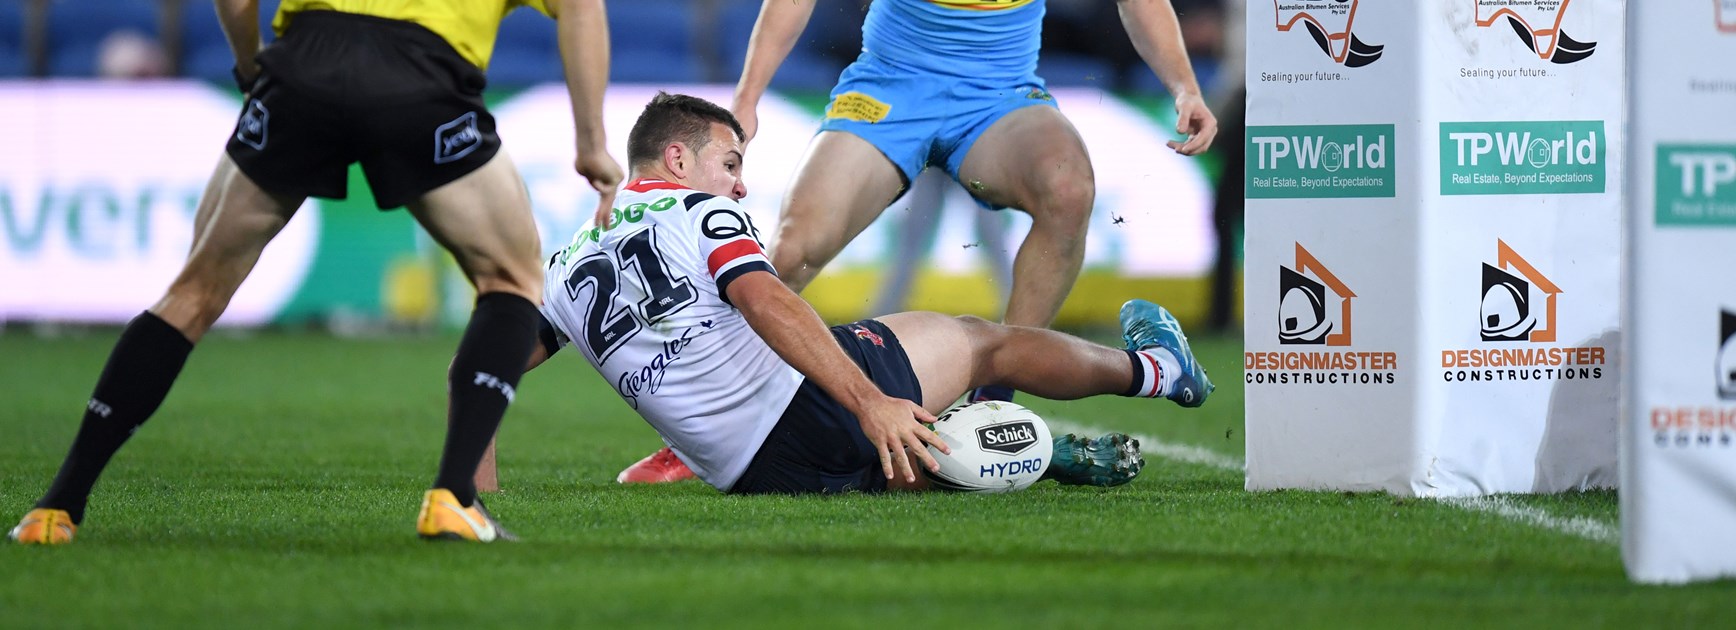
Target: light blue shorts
<point x="920" y="119"/>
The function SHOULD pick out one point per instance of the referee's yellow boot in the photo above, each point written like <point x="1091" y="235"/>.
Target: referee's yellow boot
<point x="44" y="527"/>
<point x="443" y="518"/>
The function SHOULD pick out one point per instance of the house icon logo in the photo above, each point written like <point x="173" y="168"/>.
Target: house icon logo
<point x="1307" y="295"/>
<point x="1726" y="355"/>
<point x="1509" y="311"/>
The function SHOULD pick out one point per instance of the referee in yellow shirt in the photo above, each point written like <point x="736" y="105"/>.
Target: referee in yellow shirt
<point x="397" y="86"/>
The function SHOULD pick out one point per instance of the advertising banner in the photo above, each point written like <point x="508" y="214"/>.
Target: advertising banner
<point x="1679" y="420"/>
<point x="1439" y="187"/>
<point x="100" y="182"/>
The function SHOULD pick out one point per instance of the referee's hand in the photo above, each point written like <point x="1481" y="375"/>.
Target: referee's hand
<point x="604" y="173"/>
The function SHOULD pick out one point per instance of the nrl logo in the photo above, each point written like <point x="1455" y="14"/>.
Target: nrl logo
<point x="1538" y="23"/>
<point x="1329" y="22"/>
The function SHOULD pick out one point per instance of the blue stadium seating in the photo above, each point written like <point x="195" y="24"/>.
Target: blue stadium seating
<point x="77" y="27"/>
<point x="806" y="68"/>
<point x="652" y="42"/>
<point x="205" y="53"/>
<point x="12" y="62"/>
<point x="525" y="51"/>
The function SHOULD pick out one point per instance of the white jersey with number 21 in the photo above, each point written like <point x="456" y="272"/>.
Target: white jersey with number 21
<point x="644" y="300"/>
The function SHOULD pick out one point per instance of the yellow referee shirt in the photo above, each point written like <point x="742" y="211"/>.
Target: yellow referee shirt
<point x="470" y="26"/>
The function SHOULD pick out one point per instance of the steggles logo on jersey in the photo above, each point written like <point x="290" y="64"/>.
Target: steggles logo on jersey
<point x="1314" y="308"/>
<point x="1538" y="23"/>
<point x="251" y="130"/>
<point x="1519" y="304"/>
<point x="456" y="139"/>
<point x="1329" y="22"/>
<point x="1702" y="425"/>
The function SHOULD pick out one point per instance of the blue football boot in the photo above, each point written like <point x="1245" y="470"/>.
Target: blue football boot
<point x="1147" y="325"/>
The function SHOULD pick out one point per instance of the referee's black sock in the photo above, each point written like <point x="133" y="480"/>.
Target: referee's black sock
<point x="490" y="360"/>
<point x="140" y="370"/>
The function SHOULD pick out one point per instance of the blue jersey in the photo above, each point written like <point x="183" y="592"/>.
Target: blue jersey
<point x="962" y="38"/>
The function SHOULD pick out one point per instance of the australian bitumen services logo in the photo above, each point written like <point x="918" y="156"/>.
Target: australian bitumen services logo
<point x="1314" y="309"/>
<point x="1540" y="24"/>
<point x="1685" y="426"/>
<point x="1517" y="324"/>
<point x="1330" y="23"/>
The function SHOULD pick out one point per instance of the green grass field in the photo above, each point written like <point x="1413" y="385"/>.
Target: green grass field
<point x="279" y="484"/>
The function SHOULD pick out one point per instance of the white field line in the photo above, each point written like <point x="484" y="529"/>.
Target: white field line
<point x="1577" y="526"/>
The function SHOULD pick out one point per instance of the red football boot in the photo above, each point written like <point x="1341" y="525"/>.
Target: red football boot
<point x="659" y="467"/>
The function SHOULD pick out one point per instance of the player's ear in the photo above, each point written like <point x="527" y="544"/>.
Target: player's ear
<point x="675" y="159"/>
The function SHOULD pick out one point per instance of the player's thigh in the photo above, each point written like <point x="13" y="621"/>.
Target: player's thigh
<point x="484" y="219"/>
<point x="1030" y="156"/>
<point x="942" y="352"/>
<point x="234" y="222"/>
<point x="843" y="184"/>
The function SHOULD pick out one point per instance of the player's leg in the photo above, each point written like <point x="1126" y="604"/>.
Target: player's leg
<point x="1032" y="159"/>
<point x="953" y="354"/>
<point x="842" y="185"/>
<point x="234" y="221"/>
<point x="484" y="219"/>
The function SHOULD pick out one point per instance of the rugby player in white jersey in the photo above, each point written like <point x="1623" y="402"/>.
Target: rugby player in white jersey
<point x="675" y="302"/>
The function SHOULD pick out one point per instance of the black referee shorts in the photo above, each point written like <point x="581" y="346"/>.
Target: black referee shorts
<point x="340" y="88"/>
<point x="818" y="445"/>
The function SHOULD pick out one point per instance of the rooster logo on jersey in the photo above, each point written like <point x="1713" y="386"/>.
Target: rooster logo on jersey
<point x="868" y="335"/>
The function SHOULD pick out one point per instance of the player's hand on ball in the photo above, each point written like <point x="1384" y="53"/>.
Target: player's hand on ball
<point x="897" y="428"/>
<point x="604" y="173"/>
<point x="1196" y="120"/>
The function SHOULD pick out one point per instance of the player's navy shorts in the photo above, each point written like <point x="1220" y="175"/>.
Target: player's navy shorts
<point x="917" y="119"/>
<point x="341" y="88"/>
<point x="818" y="446"/>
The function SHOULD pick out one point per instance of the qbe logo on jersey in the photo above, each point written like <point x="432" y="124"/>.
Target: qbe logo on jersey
<point x="1696" y="185"/>
<point x="1523" y="158"/>
<point x="1314" y="309"/>
<point x="1516" y="320"/>
<point x="1330" y="23"/>
<point x="1320" y="161"/>
<point x="1541" y="25"/>
<point x="1685" y="426"/>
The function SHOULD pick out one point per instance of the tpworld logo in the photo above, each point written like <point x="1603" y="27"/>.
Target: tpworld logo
<point x="1319" y="161"/>
<point x="1314" y="308"/>
<point x="1329" y="22"/>
<point x="1538" y="23"/>
<point x="1520" y="158"/>
<point x="1704" y="425"/>
<point x="1696" y="185"/>
<point x="1519" y="304"/>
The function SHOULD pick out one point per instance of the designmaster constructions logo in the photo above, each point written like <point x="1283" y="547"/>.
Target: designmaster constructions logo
<point x="1683" y="426"/>
<point x="1320" y="161"/>
<point x="1696" y="185"/>
<point x="1329" y="22"/>
<point x="1519" y="305"/>
<point x="1538" y="23"/>
<point x="1523" y="158"/>
<point x="1314" y="309"/>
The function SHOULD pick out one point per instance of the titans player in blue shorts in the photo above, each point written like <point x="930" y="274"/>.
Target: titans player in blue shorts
<point x="950" y="84"/>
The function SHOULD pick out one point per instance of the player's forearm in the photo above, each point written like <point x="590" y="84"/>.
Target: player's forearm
<point x="1156" y="34"/>
<point x="792" y="329"/>
<point x="240" y="22"/>
<point x="774" y="35"/>
<point x="582" y="28"/>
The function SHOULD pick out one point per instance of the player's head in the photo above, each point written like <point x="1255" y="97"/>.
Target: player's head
<point x="690" y="141"/>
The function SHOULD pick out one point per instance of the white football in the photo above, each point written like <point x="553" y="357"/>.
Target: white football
<point x="996" y="447"/>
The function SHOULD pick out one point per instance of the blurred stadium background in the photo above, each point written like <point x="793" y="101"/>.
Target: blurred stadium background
<point x="117" y="109"/>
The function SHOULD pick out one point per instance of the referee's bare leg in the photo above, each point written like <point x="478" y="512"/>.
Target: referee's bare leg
<point x="235" y="220"/>
<point x="484" y="218"/>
